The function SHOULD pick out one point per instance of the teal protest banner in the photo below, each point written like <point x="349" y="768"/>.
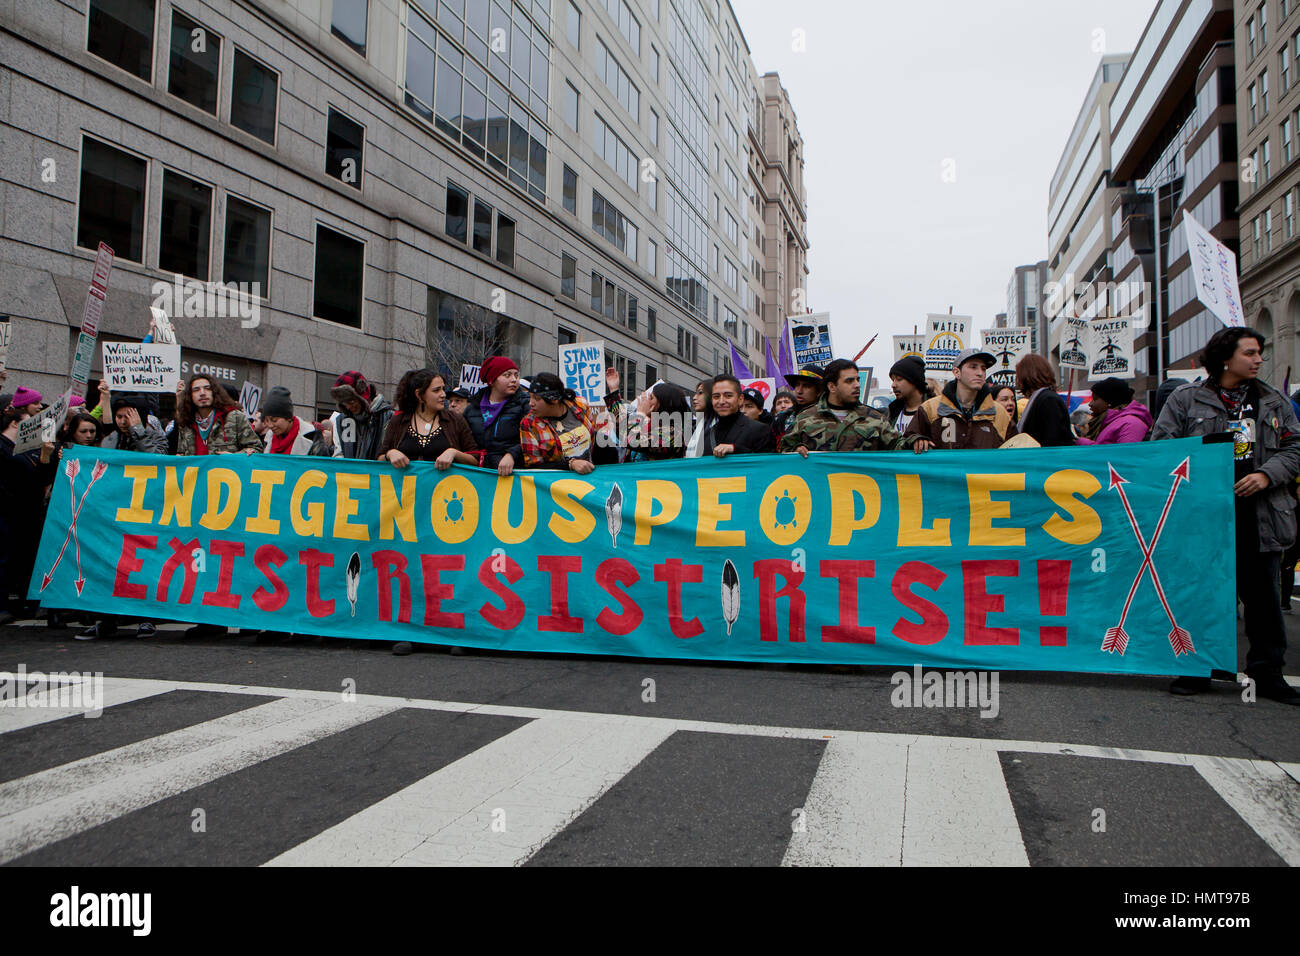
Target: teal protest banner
<point x="1070" y="559"/>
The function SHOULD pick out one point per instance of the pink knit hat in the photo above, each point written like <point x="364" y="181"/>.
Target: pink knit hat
<point x="26" y="396"/>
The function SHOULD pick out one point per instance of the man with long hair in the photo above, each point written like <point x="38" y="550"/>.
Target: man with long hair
<point x="1266" y="451"/>
<point x="210" y="421"/>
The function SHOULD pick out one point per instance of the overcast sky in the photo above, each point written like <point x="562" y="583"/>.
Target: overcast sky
<point x="884" y="93"/>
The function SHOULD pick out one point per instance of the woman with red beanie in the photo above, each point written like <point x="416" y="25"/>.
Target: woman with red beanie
<point x="494" y="413"/>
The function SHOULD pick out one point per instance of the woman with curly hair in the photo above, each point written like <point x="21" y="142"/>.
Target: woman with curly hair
<point x="424" y="428"/>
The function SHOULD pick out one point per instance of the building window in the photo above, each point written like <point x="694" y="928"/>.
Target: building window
<point x="654" y="63"/>
<point x="571" y="106"/>
<point x="1268" y="230"/>
<point x="186" y="226"/>
<point x="457" y="222"/>
<point x="573" y="26"/>
<point x="565" y="336"/>
<point x="121" y="32"/>
<point x="570" y="190"/>
<point x="1254" y="168"/>
<point x="568" y="276"/>
<point x="1250" y="38"/>
<point x="1252" y="101"/>
<point x="253" y="97"/>
<point x="651" y="325"/>
<point x="340" y="266"/>
<point x="652" y="257"/>
<point x="111" y="204"/>
<point x="1284" y="64"/>
<point x="1288" y="213"/>
<point x="628" y="25"/>
<point x="1254" y="225"/>
<point x="614" y="151"/>
<point x="617" y="80"/>
<point x="608" y="222"/>
<point x="248" y="244"/>
<point x="1263" y="24"/>
<point x="195" y="60"/>
<point x="1286" y="141"/>
<point x="349" y="23"/>
<point x="1263" y="93"/>
<point x="482" y="233"/>
<point x="1267" y="165"/>
<point x="344" y="146"/>
<point x="505" y="241"/>
<point x="654" y="128"/>
<point x="651" y="373"/>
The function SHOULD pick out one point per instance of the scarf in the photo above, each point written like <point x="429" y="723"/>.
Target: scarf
<point x="282" y="444"/>
<point x="201" y="434"/>
<point x="1234" y="398"/>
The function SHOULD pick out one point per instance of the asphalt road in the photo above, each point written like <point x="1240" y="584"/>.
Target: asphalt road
<point x="343" y="753"/>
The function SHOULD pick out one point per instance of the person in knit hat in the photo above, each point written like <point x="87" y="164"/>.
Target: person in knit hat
<point x="907" y="376"/>
<point x="357" y="428"/>
<point x="494" y="413"/>
<point x="286" y="433"/>
<point x="28" y="399"/>
<point x="1116" y="417"/>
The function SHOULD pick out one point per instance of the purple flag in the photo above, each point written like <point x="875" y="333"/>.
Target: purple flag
<point x="783" y="357"/>
<point x="738" y="366"/>
<point x="773" y="370"/>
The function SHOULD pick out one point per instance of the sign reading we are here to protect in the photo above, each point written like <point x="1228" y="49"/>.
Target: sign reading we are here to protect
<point x="142" y="367"/>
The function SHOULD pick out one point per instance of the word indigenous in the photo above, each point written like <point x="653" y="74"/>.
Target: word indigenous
<point x="994" y="560"/>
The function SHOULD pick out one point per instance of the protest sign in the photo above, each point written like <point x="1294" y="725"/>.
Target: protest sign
<point x="469" y="378"/>
<point x="1006" y="559"/>
<point x="767" y="386"/>
<point x="865" y="375"/>
<point x="1214" y="270"/>
<point x="1075" y="340"/>
<point x="84" y="356"/>
<point x="250" y="399"/>
<point x="1008" y="346"/>
<point x="160" y="327"/>
<point x="582" y="368"/>
<point x="1112" y="349"/>
<point x="35" y="431"/>
<point x="945" y="338"/>
<point x="142" y="367"/>
<point x="6" y="336"/>
<point x="905" y="345"/>
<point x="810" y="339"/>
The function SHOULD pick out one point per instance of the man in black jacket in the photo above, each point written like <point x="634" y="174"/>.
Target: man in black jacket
<point x="733" y="433"/>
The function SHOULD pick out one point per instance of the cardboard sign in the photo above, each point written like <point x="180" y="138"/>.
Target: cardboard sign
<point x="35" y="431"/>
<point x="6" y="336"/>
<point x="944" y="340"/>
<point x="1214" y="268"/>
<point x="905" y="345"/>
<point x="85" y="354"/>
<point x="1075" y="339"/>
<point x="160" y="327"/>
<point x="810" y="339"/>
<point x="250" y="399"/>
<point x="1008" y="347"/>
<point x="582" y="368"/>
<point x="142" y="367"/>
<point x="1112" y="349"/>
<point x="469" y="378"/>
<point x="767" y="386"/>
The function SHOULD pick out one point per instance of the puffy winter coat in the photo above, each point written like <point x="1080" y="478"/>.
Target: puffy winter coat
<point x="1120" y="425"/>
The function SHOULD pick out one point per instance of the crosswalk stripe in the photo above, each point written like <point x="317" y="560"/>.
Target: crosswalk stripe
<point x="853" y="815"/>
<point x="44" y="807"/>
<point x="1263" y="794"/>
<point x="958" y="810"/>
<point x="1293" y="769"/>
<point x="35" y="709"/>
<point x="532" y="782"/>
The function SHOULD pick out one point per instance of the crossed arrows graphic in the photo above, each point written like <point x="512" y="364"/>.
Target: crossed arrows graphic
<point x="1179" y="639"/>
<point x="72" y="469"/>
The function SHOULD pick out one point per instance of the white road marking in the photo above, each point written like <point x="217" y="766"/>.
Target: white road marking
<point x="44" y="807"/>
<point x="959" y="810"/>
<point x="494" y="807"/>
<point x="1264" y="795"/>
<point x="36" y="709"/>
<point x="853" y="815"/>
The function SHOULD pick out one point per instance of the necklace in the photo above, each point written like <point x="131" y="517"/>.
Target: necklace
<point x="435" y="427"/>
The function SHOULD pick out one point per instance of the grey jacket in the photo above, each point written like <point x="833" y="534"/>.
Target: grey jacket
<point x="1194" y="410"/>
<point x="149" y="438"/>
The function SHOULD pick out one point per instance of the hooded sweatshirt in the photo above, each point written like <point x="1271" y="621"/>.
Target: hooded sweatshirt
<point x="1119" y="425"/>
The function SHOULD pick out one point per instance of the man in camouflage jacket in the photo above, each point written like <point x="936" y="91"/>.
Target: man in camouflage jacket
<point x="838" y="422"/>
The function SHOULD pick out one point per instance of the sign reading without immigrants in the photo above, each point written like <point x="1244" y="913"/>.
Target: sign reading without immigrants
<point x="1029" y="559"/>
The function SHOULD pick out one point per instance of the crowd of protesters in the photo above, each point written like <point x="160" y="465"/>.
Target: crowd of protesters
<point x="510" y="424"/>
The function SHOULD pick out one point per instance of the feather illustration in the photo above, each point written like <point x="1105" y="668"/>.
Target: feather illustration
<point x="730" y="595"/>
<point x="614" y="512"/>
<point x="353" y="578"/>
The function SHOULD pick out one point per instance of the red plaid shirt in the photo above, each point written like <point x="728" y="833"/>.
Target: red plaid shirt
<point x="540" y="439"/>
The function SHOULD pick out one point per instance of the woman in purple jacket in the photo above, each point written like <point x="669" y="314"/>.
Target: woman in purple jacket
<point x="1116" y="417"/>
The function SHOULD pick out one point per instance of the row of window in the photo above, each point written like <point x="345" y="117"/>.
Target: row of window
<point x="613" y="301"/>
<point x="487" y="231"/>
<point x="619" y="83"/>
<point x="616" y="228"/>
<point x="112" y="198"/>
<point x="1257" y="31"/>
